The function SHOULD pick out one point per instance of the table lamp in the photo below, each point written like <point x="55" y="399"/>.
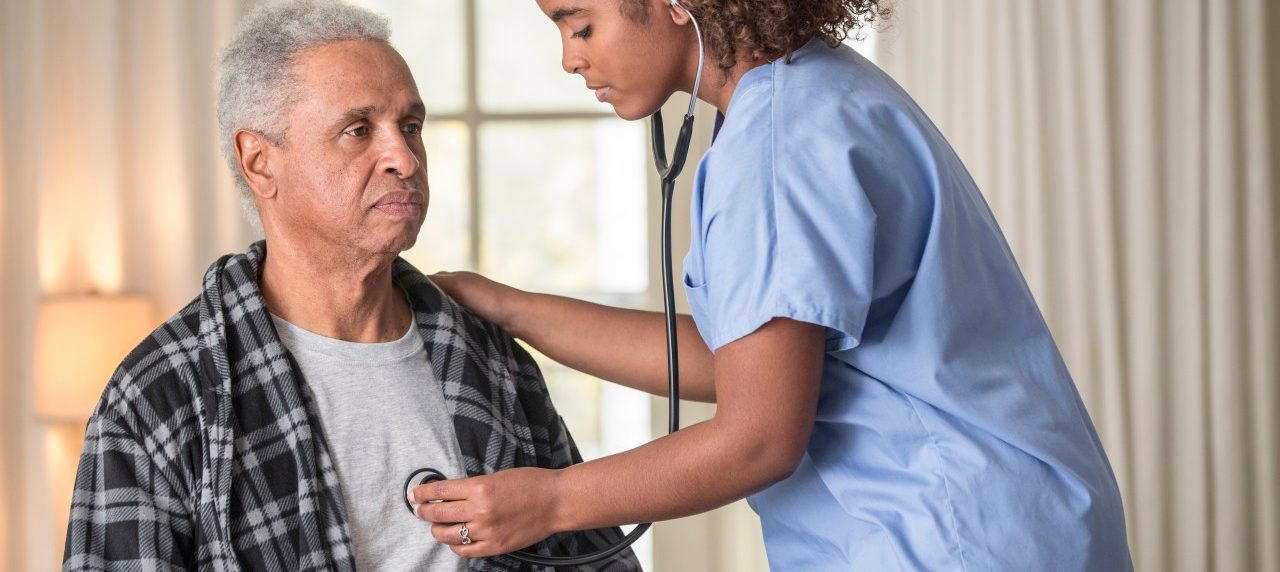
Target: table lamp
<point x="80" y="340"/>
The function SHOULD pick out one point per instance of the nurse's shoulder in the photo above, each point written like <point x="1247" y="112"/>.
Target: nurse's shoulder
<point x="837" y="92"/>
<point x="787" y="122"/>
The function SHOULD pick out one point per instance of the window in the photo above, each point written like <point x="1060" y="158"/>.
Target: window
<point x="533" y="182"/>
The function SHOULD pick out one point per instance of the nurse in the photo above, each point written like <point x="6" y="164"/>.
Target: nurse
<point x="888" y="394"/>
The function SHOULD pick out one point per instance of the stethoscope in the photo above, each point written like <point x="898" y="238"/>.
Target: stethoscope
<point x="668" y="172"/>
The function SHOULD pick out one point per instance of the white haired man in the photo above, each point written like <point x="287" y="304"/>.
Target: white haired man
<point x="269" y="424"/>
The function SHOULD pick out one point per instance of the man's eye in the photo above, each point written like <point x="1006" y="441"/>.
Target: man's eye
<point x="412" y="129"/>
<point x="583" y="33"/>
<point x="360" y="131"/>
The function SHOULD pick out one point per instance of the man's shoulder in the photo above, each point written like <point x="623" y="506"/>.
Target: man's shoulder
<point x="160" y="381"/>
<point x="452" y="324"/>
<point x="438" y="310"/>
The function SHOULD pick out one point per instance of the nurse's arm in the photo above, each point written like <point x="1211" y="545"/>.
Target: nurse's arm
<point x="628" y="347"/>
<point x="767" y="386"/>
<point x="767" y="393"/>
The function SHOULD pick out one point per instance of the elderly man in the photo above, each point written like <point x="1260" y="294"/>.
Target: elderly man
<point x="271" y="423"/>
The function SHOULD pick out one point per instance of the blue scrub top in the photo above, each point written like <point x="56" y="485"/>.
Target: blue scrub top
<point x="949" y="434"/>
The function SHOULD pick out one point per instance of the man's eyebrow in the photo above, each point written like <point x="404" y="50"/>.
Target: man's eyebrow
<point x="355" y="113"/>
<point x="562" y="13"/>
<point x="416" y="108"/>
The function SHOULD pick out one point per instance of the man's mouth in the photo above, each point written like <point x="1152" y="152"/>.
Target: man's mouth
<point x="400" y="203"/>
<point x="602" y="92"/>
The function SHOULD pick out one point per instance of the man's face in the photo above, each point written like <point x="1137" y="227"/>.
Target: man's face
<point x="351" y="175"/>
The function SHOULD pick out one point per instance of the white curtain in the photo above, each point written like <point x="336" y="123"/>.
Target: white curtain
<point x="1127" y="148"/>
<point x="110" y="182"/>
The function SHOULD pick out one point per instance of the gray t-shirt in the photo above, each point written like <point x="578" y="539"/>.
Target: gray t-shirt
<point x="383" y="415"/>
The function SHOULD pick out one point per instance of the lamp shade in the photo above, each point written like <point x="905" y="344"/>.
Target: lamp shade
<point x="80" y="340"/>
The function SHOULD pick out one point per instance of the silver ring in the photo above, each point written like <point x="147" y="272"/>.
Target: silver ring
<point x="465" y="533"/>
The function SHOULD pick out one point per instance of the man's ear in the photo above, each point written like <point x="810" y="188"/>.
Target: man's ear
<point x="253" y="156"/>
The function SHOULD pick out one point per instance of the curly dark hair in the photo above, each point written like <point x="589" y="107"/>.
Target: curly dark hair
<point x="765" y="30"/>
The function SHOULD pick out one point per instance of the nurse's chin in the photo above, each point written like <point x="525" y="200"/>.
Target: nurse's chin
<point x="629" y="115"/>
<point x="632" y="112"/>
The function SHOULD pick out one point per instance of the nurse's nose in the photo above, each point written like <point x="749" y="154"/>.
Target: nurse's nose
<point x="572" y="62"/>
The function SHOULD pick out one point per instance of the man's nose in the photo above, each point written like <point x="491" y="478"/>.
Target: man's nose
<point x="399" y="159"/>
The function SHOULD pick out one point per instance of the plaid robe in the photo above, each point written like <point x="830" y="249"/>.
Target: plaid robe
<point x="203" y="452"/>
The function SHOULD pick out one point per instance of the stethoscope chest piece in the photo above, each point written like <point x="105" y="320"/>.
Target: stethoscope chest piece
<point x="420" y="477"/>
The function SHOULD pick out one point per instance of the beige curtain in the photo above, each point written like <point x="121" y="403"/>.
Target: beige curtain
<point x="7" y="441"/>
<point x="1128" y="149"/>
<point x="110" y="182"/>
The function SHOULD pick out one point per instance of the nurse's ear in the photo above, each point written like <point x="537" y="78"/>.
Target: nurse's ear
<point x="678" y="13"/>
<point x="253" y="156"/>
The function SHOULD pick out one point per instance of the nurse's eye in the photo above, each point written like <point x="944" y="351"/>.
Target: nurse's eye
<point x="583" y="33"/>
<point x="359" y="131"/>
<point x="412" y="129"/>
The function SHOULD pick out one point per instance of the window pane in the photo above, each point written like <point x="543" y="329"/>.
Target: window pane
<point x="445" y="240"/>
<point x="576" y="396"/>
<point x="563" y="205"/>
<point x="430" y="36"/>
<point x="603" y="418"/>
<point x="519" y="54"/>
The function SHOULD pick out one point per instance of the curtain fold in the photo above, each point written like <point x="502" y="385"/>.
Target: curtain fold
<point x="132" y="193"/>
<point x="1127" y="149"/>
<point x="7" y="393"/>
<point x="183" y="209"/>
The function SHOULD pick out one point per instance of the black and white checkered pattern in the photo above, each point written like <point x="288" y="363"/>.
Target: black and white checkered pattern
<point x="201" y="453"/>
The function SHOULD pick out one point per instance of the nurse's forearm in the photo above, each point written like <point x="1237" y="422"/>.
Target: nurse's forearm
<point x="767" y="391"/>
<point x="691" y="471"/>
<point x="624" y="346"/>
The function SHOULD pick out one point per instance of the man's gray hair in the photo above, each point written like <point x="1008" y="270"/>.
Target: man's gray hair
<point x="255" y="90"/>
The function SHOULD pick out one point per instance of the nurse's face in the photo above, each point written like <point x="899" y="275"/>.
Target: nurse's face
<point x="633" y="61"/>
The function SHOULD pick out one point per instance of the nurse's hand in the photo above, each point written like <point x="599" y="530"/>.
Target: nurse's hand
<point x="478" y="294"/>
<point x="503" y="512"/>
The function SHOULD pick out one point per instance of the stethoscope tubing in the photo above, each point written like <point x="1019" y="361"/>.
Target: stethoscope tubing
<point x="668" y="173"/>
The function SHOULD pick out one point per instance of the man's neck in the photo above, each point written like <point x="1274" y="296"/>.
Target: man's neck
<point x="342" y="298"/>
